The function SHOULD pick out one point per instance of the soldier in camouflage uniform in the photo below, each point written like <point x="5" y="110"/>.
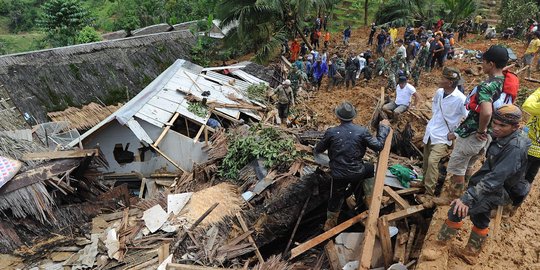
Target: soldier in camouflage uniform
<point x="420" y="62"/>
<point x="498" y="182"/>
<point x="397" y="64"/>
<point x="379" y="65"/>
<point x="295" y="76"/>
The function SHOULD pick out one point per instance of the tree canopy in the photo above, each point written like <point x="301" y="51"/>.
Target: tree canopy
<point x="62" y="20"/>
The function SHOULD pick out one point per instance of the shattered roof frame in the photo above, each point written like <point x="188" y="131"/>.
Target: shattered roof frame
<point x="163" y="97"/>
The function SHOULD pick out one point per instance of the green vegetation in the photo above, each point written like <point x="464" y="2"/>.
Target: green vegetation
<point x="62" y="20"/>
<point x="260" y="143"/>
<point x="513" y="12"/>
<point x="198" y="109"/>
<point x="87" y="34"/>
<point x="257" y="92"/>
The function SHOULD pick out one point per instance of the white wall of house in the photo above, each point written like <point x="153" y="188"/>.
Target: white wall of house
<point x="178" y="147"/>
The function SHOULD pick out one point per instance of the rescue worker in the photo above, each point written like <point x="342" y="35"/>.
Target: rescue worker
<point x="285" y="99"/>
<point x="346" y="145"/>
<point x="448" y="109"/>
<point x="420" y="62"/>
<point x="491" y="186"/>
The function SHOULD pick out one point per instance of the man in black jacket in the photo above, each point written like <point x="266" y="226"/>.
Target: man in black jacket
<point x="346" y="145"/>
<point x="498" y="182"/>
<point x="352" y="66"/>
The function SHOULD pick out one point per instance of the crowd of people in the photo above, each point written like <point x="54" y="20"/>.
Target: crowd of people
<point x="462" y="127"/>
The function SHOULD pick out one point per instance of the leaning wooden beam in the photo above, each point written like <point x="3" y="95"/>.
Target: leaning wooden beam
<point x="166" y="129"/>
<point x="386" y="242"/>
<point x="400" y="201"/>
<point x="250" y="238"/>
<point x="168" y="158"/>
<point x="327" y="235"/>
<point x="366" y="249"/>
<point x="60" y="154"/>
<point x="405" y="213"/>
<point x="296" y="226"/>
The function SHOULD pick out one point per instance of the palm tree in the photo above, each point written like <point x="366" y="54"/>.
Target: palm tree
<point x="263" y="25"/>
<point x="407" y="12"/>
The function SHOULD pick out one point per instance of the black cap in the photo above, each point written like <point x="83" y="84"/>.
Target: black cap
<point x="496" y="54"/>
<point x="402" y="79"/>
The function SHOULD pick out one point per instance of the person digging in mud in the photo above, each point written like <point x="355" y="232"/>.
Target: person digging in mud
<point x="447" y="112"/>
<point x="285" y="99"/>
<point x="404" y="92"/>
<point x="491" y="186"/>
<point x="346" y="145"/>
<point x="473" y="138"/>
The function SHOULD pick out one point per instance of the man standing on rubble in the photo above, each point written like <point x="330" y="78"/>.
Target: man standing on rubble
<point x="352" y="65"/>
<point x="447" y="112"/>
<point x="346" y="145"/>
<point x="285" y="99"/>
<point x="472" y="134"/>
<point x="491" y="186"/>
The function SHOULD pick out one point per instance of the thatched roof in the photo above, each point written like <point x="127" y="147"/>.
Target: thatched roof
<point x="84" y="118"/>
<point x="52" y="80"/>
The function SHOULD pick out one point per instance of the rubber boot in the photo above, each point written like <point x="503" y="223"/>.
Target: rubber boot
<point x="448" y="230"/>
<point x="474" y="246"/>
<point x="331" y="220"/>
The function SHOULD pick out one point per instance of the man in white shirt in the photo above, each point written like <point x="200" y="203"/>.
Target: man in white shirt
<point x="404" y="92"/>
<point x="401" y="48"/>
<point x="363" y="63"/>
<point x="448" y="112"/>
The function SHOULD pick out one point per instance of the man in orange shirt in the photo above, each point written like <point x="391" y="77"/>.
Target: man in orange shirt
<point x="295" y="50"/>
<point x="326" y="39"/>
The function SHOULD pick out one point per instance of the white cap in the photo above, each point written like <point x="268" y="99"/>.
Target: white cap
<point x="287" y="82"/>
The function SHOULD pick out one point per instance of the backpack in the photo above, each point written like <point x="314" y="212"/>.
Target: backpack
<point x="508" y="95"/>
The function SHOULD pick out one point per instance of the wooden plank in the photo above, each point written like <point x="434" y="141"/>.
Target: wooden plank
<point x="167" y="158"/>
<point x="366" y="250"/>
<point x="401" y="246"/>
<point x="139" y="131"/>
<point x="224" y="67"/>
<point x="149" y="120"/>
<point x="177" y="266"/>
<point x="410" y="241"/>
<point x="60" y="154"/>
<point x="327" y="235"/>
<point x="408" y="191"/>
<point x="330" y="251"/>
<point x="166" y="129"/>
<point x="405" y="213"/>
<point x="497" y="223"/>
<point x="163" y="252"/>
<point x="156" y="113"/>
<point x="296" y="226"/>
<point x="400" y="201"/>
<point x="386" y="242"/>
<point x="250" y="238"/>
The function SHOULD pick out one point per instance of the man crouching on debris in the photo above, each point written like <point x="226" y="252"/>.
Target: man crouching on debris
<point x="494" y="184"/>
<point x="346" y="145"/>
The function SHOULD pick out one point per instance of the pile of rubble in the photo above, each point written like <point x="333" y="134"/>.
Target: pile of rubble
<point x="155" y="185"/>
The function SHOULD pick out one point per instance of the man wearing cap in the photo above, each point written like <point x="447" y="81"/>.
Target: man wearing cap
<point x="404" y="92"/>
<point x="472" y="134"/>
<point x="447" y="112"/>
<point x="346" y="145"/>
<point x="492" y="185"/>
<point x="285" y="99"/>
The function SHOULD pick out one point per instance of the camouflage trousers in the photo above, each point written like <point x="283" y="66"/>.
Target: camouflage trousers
<point x="415" y="73"/>
<point x="391" y="82"/>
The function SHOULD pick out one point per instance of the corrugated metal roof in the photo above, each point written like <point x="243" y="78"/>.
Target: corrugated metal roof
<point x="166" y="95"/>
